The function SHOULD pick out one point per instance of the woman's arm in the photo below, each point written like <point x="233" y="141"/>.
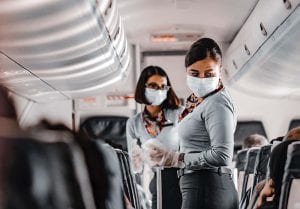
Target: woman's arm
<point x="220" y="122"/>
<point x="134" y="150"/>
<point x="129" y="136"/>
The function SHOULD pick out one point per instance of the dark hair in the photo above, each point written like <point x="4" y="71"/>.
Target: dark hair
<point x="172" y="100"/>
<point x="201" y="49"/>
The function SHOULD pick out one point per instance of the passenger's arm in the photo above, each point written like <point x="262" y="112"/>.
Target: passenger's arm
<point x="267" y="192"/>
<point x="220" y="124"/>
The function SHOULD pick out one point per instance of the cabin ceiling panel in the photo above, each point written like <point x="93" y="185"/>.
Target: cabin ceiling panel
<point x="74" y="46"/>
<point x="216" y="18"/>
<point x="21" y="81"/>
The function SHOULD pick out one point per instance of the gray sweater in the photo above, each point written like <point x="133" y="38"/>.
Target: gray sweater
<point x="207" y="134"/>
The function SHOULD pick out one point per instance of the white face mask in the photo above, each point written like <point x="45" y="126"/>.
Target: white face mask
<point x="202" y="86"/>
<point x="155" y="97"/>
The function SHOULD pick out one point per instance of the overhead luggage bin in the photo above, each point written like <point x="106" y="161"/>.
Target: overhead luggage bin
<point x="73" y="47"/>
<point x="260" y="56"/>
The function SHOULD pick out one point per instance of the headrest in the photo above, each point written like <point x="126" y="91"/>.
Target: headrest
<point x="294" y="123"/>
<point x="263" y="159"/>
<point x="246" y="128"/>
<point x="111" y="129"/>
<point x="251" y="158"/>
<point x="241" y="159"/>
<point x="293" y="157"/>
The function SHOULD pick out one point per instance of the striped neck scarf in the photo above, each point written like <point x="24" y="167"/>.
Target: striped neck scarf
<point x="152" y="124"/>
<point x="193" y="101"/>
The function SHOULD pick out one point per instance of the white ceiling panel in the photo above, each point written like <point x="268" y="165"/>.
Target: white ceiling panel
<point x="21" y="81"/>
<point x="215" y="18"/>
<point x="65" y="44"/>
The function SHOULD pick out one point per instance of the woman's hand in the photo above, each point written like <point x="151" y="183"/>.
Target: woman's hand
<point x="155" y="155"/>
<point x="158" y="155"/>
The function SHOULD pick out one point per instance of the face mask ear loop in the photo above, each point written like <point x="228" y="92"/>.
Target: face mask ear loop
<point x="220" y="83"/>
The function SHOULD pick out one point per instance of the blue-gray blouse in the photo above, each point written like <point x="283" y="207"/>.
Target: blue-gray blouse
<point x="207" y="133"/>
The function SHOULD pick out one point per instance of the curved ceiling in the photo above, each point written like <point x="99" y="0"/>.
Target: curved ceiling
<point x="218" y="19"/>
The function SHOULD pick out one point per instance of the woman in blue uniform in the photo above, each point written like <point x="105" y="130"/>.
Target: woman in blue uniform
<point x="158" y="120"/>
<point x="206" y="131"/>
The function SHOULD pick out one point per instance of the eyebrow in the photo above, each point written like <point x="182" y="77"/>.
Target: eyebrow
<point x="156" y="84"/>
<point x="205" y="71"/>
<point x="196" y="71"/>
<point x="209" y="70"/>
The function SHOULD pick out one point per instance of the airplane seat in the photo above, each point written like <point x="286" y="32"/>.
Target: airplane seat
<point x="129" y="182"/>
<point x="240" y="165"/>
<point x="102" y="169"/>
<point x="111" y="129"/>
<point x="260" y="173"/>
<point x="34" y="172"/>
<point x="290" y="189"/>
<point x="261" y="164"/>
<point x="248" y="177"/>
<point x="246" y="128"/>
<point x="115" y="198"/>
<point x="276" y="140"/>
<point x="66" y="183"/>
<point x="59" y="175"/>
<point x="38" y="175"/>
<point x="294" y="123"/>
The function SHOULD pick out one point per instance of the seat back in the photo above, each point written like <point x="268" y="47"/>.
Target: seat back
<point x="111" y="129"/>
<point x="290" y="198"/>
<point x="294" y="123"/>
<point x="115" y="197"/>
<point x="101" y="173"/>
<point x="59" y="175"/>
<point x="241" y="161"/>
<point x="261" y="165"/>
<point x="246" y="128"/>
<point x="38" y="175"/>
<point x="249" y="176"/>
<point x="129" y="182"/>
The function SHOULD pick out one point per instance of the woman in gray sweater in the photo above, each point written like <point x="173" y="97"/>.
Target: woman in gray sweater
<point x="158" y="121"/>
<point x="206" y="131"/>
